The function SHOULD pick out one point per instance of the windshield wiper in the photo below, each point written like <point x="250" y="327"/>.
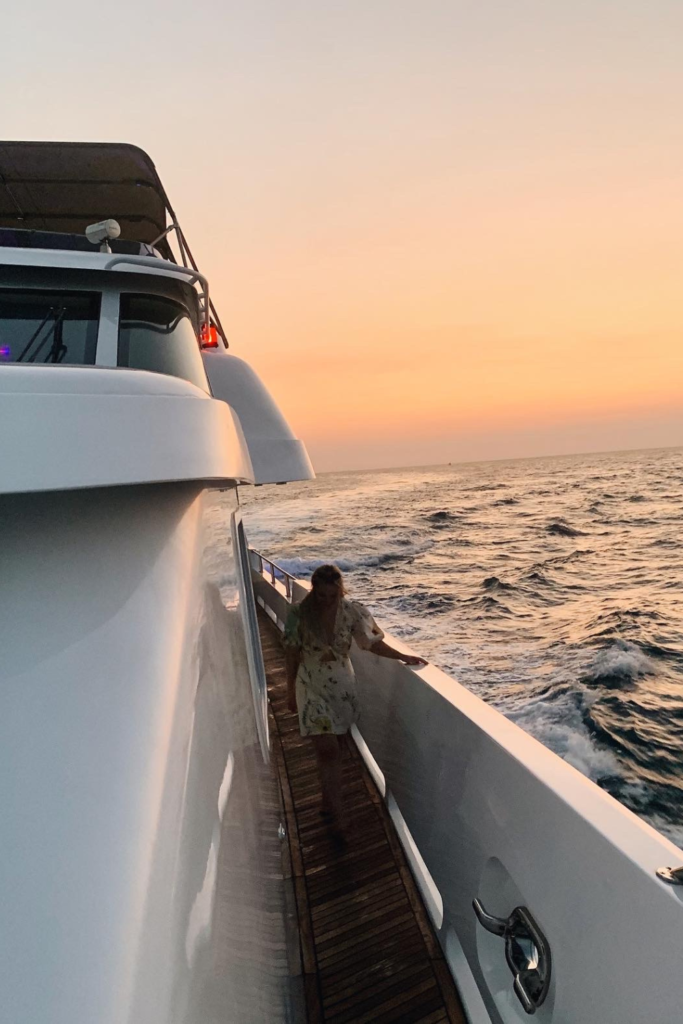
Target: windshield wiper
<point x="58" y="350"/>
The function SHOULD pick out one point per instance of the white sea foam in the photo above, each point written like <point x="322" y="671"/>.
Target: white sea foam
<point x="621" y="660"/>
<point x="559" y="727"/>
<point x="272" y="525"/>
<point x="304" y="567"/>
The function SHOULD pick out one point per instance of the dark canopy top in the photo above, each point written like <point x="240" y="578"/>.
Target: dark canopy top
<point x="64" y="186"/>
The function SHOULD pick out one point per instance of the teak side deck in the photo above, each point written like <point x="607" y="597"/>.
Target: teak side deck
<point x="368" y="952"/>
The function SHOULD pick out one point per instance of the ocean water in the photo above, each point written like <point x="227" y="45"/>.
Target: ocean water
<point x="552" y="588"/>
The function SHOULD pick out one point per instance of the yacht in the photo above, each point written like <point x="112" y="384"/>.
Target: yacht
<point x="161" y="863"/>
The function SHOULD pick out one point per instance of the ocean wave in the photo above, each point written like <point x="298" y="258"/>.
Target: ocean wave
<point x="424" y="603"/>
<point x="638" y="521"/>
<point x="505" y="501"/>
<point x="539" y="571"/>
<point x="559" y="725"/>
<point x="538" y="578"/>
<point x="486" y="487"/>
<point x="442" y="518"/>
<point x="305" y="567"/>
<point x="620" y="663"/>
<point x="495" y="606"/>
<point x="660" y="650"/>
<point x="573" y="556"/>
<point x="561" y="528"/>
<point x="561" y="718"/>
<point x="494" y="583"/>
<point x="616" y="623"/>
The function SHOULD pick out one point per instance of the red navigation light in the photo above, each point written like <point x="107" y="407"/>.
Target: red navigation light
<point x="208" y="336"/>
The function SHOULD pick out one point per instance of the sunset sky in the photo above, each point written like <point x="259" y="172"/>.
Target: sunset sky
<point x="440" y="231"/>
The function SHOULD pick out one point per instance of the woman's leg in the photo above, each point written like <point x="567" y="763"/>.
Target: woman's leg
<point x="328" y="756"/>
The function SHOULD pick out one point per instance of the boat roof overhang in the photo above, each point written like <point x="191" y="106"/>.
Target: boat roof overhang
<point x="65" y="186"/>
<point x="70" y="428"/>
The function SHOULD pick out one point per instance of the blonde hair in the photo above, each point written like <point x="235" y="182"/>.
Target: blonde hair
<point x="310" y="612"/>
<point x="327" y="574"/>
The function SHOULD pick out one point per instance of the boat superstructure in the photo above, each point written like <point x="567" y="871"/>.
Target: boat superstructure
<point x="147" y="875"/>
<point x="141" y="876"/>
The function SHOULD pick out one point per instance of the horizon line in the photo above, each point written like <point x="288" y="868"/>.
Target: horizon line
<point x="485" y="462"/>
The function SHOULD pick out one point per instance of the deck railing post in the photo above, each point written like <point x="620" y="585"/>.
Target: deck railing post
<point x="269" y="568"/>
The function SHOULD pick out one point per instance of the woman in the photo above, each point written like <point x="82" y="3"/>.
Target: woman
<point x="320" y="677"/>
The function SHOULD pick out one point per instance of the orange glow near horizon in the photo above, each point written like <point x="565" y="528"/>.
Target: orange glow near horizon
<point x="440" y="231"/>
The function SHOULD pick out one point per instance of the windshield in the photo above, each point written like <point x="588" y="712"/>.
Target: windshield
<point x="48" y="326"/>
<point x="156" y="334"/>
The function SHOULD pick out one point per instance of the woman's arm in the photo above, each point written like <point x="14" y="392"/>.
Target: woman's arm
<point x="292" y="662"/>
<point x="385" y="651"/>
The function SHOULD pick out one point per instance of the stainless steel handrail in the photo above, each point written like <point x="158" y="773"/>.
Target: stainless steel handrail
<point x="271" y="569"/>
<point x="173" y="268"/>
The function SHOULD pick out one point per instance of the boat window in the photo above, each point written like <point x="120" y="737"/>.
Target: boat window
<point x="48" y="326"/>
<point x="157" y="334"/>
<point x="257" y="672"/>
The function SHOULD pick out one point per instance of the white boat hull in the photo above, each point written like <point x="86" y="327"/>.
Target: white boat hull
<point x="141" y="877"/>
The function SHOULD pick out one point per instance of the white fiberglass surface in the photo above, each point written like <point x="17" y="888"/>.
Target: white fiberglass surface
<point x="276" y="455"/>
<point x="75" y="427"/>
<point x="141" y="868"/>
<point x="499" y="818"/>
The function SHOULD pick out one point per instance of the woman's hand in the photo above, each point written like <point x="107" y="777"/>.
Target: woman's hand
<point x="385" y="651"/>
<point x="410" y="659"/>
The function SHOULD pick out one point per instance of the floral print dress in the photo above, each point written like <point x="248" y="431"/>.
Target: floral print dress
<point x="325" y="682"/>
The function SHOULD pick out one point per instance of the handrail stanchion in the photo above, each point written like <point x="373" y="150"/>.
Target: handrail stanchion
<point x="267" y="567"/>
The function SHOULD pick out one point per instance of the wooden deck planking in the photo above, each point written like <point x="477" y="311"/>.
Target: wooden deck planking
<point x="368" y="951"/>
